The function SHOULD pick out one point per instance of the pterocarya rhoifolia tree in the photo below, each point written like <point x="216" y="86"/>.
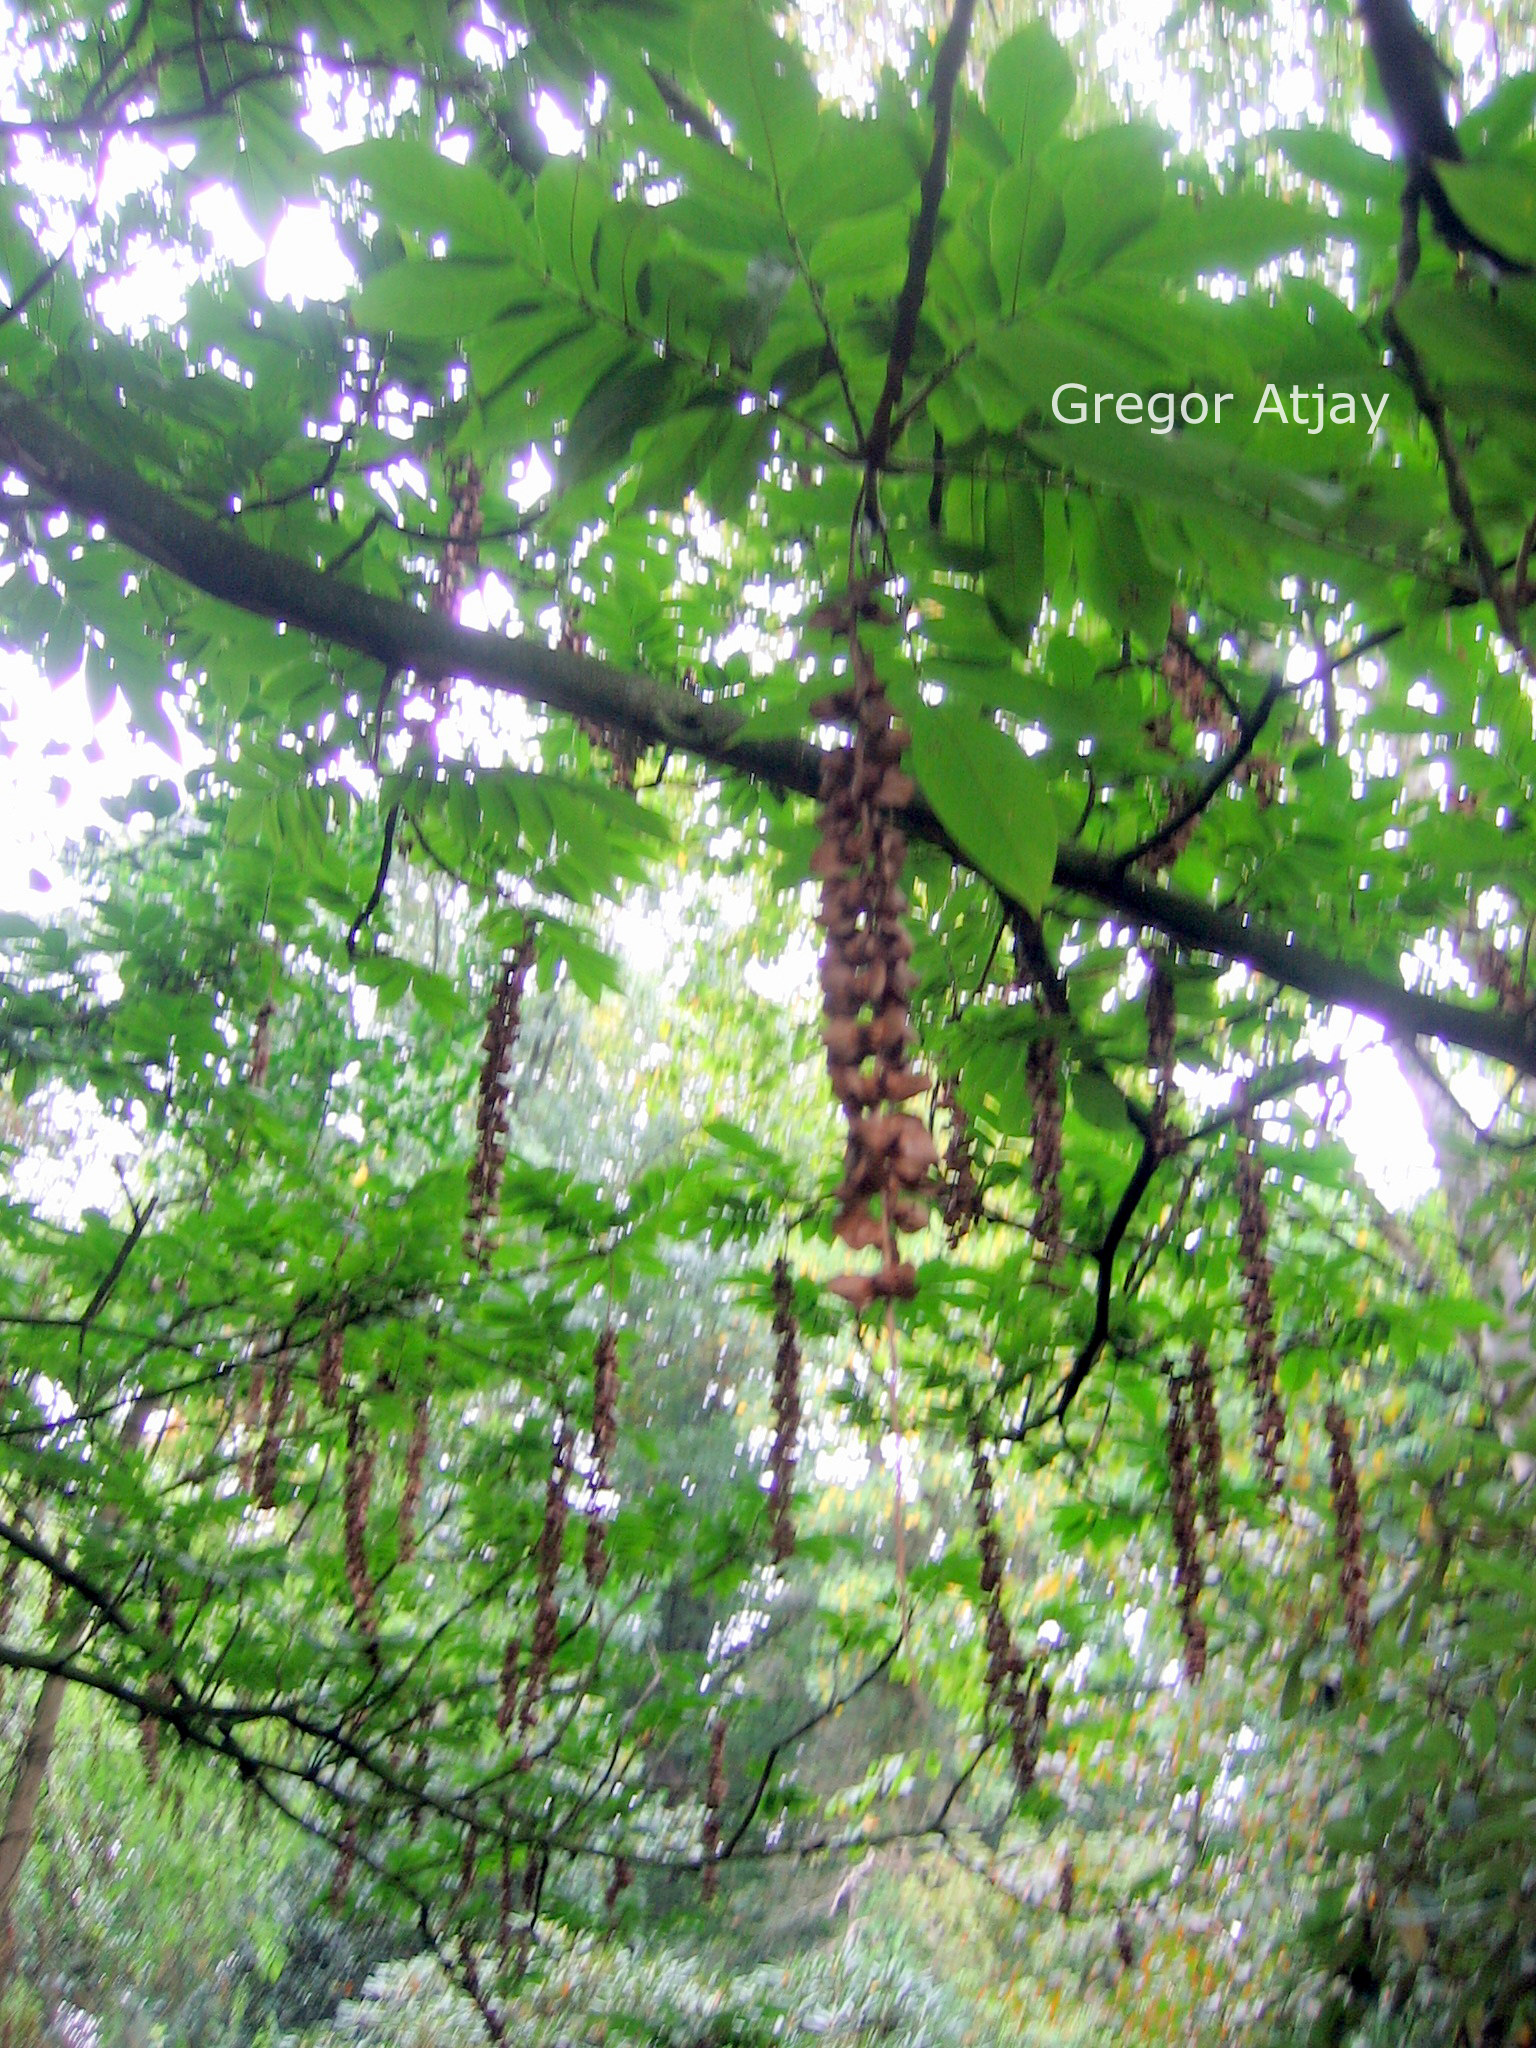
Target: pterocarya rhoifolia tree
<point x="1144" y="729"/>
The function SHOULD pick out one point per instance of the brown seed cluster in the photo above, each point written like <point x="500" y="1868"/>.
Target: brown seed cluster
<point x="261" y="1046"/>
<point x="1193" y="688"/>
<point x="466" y="523"/>
<point x="546" y="1608"/>
<point x="264" y="1475"/>
<point x="1181" y="1501"/>
<point x="1348" y="1531"/>
<point x="511" y="1661"/>
<point x="1042" y="1080"/>
<point x="620" y="1879"/>
<point x="1258" y="1308"/>
<point x="346" y="1859"/>
<point x="1202" y="1396"/>
<point x="605" y="1436"/>
<point x="960" y="1199"/>
<point x="415" y="1475"/>
<point x="1066" y="1886"/>
<point x="1162" y="1029"/>
<point x="1016" y="1689"/>
<point x="503" y="1021"/>
<point x="332" y="1359"/>
<point x="714" y="1799"/>
<point x="785" y="1453"/>
<point x="356" y="1493"/>
<point x="866" y="981"/>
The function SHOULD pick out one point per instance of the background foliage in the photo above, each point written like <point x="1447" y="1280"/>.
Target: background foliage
<point x="521" y="1516"/>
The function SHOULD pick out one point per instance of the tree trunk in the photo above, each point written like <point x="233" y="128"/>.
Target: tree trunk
<point x="21" y="1809"/>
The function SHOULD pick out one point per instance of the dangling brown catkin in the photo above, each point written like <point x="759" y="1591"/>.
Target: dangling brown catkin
<point x="1042" y="1082"/>
<point x="332" y="1358"/>
<point x="1258" y="1309"/>
<point x="1162" y="1029"/>
<point x="503" y="1021"/>
<point x="461" y="554"/>
<point x="714" y="1799"/>
<point x="357" y="1491"/>
<point x="866" y="981"/>
<point x="1016" y="1689"/>
<point x="619" y="1882"/>
<point x="1181" y="1501"/>
<point x="605" y="1435"/>
<point x="785" y="1453"/>
<point x="506" y="1709"/>
<point x="1066" y="1886"/>
<point x="1028" y="1703"/>
<point x="346" y="1857"/>
<point x="415" y="1473"/>
<point x="546" y="1612"/>
<point x="1348" y="1532"/>
<point x="264" y="1473"/>
<point x="467" y="1863"/>
<point x="960" y="1198"/>
<point x="1202" y="1394"/>
<point x="261" y="1047"/>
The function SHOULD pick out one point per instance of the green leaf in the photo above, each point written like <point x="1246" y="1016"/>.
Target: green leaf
<point x="989" y="796"/>
<point x="762" y="85"/>
<point x="1029" y="89"/>
<point x="1497" y="200"/>
<point x="439" y="300"/>
<point x="1014" y="577"/>
<point x="417" y="188"/>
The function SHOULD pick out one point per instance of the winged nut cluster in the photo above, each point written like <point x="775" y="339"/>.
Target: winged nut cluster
<point x="1016" y="1688"/>
<point x="785" y="1453"/>
<point x="1207" y="1425"/>
<point x="1181" y="1500"/>
<point x="866" y="980"/>
<point x="605" y="1434"/>
<point x="1348" y="1531"/>
<point x="504" y="1016"/>
<point x="1258" y="1308"/>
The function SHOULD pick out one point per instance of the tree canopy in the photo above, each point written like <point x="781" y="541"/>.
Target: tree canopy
<point x="567" y="1413"/>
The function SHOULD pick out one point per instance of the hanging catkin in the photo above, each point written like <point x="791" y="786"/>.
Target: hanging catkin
<point x="605" y="1435"/>
<point x="506" y="1706"/>
<point x="1042" y="1082"/>
<point x="546" y="1610"/>
<point x="1016" y="1689"/>
<point x="785" y="1453"/>
<point x="960" y="1191"/>
<point x="357" y="1491"/>
<point x="504" y="1015"/>
<point x="1202" y="1395"/>
<point x="332" y="1360"/>
<point x="714" y="1799"/>
<point x="1181" y="1503"/>
<point x="866" y="981"/>
<point x="1348" y="1531"/>
<point x="264" y="1473"/>
<point x="1162" y="1029"/>
<point x="415" y="1476"/>
<point x="1258" y="1309"/>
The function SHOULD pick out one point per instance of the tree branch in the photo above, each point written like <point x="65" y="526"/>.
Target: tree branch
<point x="925" y="230"/>
<point x="63" y="470"/>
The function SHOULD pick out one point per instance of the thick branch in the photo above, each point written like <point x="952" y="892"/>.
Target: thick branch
<point x="925" y="232"/>
<point x="63" y="470"/>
